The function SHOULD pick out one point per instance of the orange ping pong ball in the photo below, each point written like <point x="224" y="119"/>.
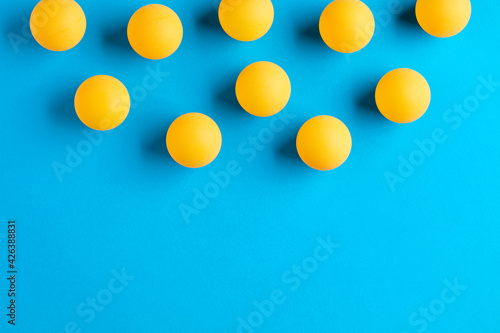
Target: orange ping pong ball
<point x="246" y="20"/>
<point x="155" y="31"/>
<point x="102" y="102"/>
<point x="58" y="25"/>
<point x="194" y="140"/>
<point x="324" y="143"/>
<point x="403" y="95"/>
<point x="263" y="89"/>
<point x="347" y="25"/>
<point x="443" y="18"/>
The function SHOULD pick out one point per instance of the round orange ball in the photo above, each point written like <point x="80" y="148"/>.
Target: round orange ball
<point x="102" y="102"/>
<point x="58" y="25"/>
<point x="324" y="143"/>
<point x="155" y="31"/>
<point x="194" y="140"/>
<point x="443" y="18"/>
<point x="403" y="95"/>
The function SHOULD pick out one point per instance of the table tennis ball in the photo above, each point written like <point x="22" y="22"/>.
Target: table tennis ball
<point x="443" y="18"/>
<point x="324" y="143"/>
<point x="263" y="89"/>
<point x="155" y="31"/>
<point x="58" y="25"/>
<point x="347" y="25"/>
<point x="246" y="20"/>
<point x="102" y="102"/>
<point x="194" y="140"/>
<point x="403" y="95"/>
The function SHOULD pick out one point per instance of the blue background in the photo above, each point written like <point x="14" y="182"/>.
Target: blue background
<point x="120" y="206"/>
